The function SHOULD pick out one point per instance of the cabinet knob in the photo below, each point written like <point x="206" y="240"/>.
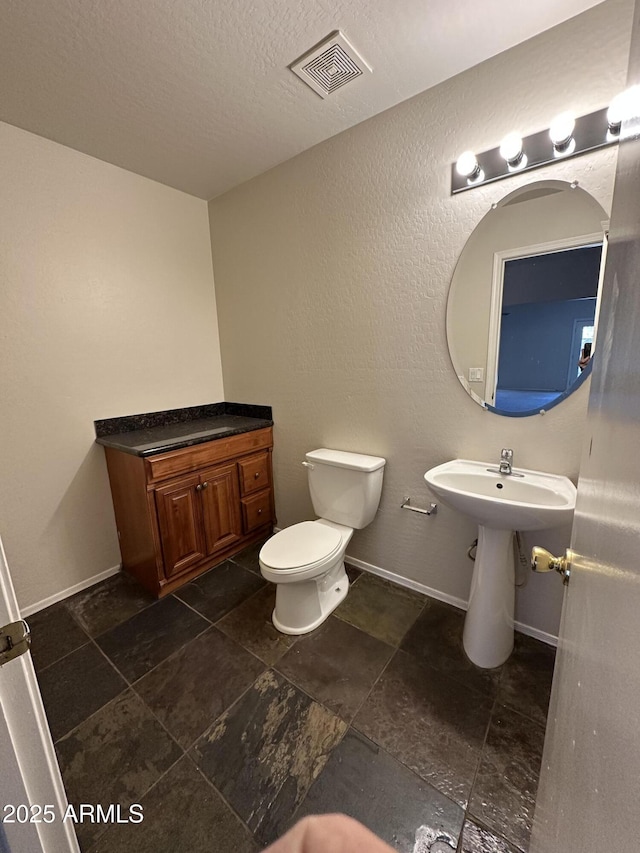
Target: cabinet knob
<point x="259" y="512"/>
<point x="198" y="488"/>
<point x="205" y="484"/>
<point x="256" y="475"/>
<point x="201" y="486"/>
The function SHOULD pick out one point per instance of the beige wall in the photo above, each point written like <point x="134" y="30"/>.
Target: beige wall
<point x="332" y="273"/>
<point x="108" y="309"/>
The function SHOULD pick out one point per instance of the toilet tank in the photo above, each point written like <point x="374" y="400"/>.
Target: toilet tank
<point x="345" y="487"/>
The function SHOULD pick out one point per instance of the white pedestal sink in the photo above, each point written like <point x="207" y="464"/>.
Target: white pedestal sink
<point x="499" y="504"/>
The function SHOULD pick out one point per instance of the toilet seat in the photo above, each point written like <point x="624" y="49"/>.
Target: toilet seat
<point x="301" y="548"/>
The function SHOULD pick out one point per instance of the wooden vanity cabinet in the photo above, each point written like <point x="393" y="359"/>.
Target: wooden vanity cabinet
<point x="181" y="512"/>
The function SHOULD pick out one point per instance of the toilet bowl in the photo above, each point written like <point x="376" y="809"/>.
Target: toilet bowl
<point x="306" y="560"/>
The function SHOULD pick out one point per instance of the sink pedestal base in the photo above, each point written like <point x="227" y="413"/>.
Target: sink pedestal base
<point x="488" y="627"/>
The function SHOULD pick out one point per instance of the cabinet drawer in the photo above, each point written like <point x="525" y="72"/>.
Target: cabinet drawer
<point x="174" y="462"/>
<point x="256" y="511"/>
<point x="254" y="473"/>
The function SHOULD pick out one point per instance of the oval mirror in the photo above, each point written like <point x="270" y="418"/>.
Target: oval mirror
<point x="522" y="311"/>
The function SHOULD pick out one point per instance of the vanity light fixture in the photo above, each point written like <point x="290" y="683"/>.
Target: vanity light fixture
<point x="566" y="136"/>
<point x="561" y="132"/>
<point x="624" y="106"/>
<point x="616" y="113"/>
<point x="467" y="166"/>
<point x="512" y="151"/>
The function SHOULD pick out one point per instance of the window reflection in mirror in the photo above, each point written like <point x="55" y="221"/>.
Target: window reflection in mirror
<point x="546" y="326"/>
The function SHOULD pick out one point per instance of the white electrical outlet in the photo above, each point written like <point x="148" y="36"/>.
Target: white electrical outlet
<point x="476" y="374"/>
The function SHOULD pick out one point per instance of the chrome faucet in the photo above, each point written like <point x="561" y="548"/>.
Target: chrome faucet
<point x="506" y="459"/>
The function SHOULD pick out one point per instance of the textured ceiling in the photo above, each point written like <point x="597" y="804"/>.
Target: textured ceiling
<point x="197" y="94"/>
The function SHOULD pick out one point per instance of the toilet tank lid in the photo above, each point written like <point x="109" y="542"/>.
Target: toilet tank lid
<point x="345" y="459"/>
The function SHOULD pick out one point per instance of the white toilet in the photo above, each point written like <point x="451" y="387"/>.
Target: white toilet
<point x="306" y="560"/>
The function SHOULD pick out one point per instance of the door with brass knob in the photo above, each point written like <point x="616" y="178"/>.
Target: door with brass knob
<point x="543" y="561"/>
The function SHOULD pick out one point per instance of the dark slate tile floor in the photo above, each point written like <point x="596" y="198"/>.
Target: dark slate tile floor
<point x="228" y="732"/>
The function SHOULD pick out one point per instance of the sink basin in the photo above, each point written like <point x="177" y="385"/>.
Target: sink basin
<point x="499" y="504"/>
<point x="532" y="501"/>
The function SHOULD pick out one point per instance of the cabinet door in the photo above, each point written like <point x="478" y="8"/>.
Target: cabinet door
<point x="221" y="506"/>
<point x="180" y="523"/>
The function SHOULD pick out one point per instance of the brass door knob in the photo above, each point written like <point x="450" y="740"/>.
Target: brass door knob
<point x="543" y="561"/>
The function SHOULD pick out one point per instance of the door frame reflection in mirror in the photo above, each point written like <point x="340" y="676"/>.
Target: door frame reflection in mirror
<point x="495" y="316"/>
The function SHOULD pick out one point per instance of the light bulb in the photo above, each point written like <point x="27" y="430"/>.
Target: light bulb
<point x="467" y="165"/>
<point x="625" y="105"/>
<point x="511" y="148"/>
<point x="561" y="130"/>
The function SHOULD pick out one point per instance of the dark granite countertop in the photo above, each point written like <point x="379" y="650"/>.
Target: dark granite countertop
<point x="158" y="432"/>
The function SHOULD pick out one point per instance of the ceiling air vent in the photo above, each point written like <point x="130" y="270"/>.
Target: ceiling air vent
<point x="330" y="65"/>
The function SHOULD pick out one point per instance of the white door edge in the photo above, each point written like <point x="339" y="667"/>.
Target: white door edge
<point x="23" y="721"/>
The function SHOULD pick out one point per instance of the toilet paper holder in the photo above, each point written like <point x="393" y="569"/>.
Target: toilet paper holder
<point x="406" y="504"/>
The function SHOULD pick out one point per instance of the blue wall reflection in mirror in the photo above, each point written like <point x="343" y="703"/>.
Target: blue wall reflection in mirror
<point x="547" y="325"/>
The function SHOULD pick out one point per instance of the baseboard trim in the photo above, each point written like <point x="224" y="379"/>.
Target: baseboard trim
<point x="460" y="603"/>
<point x="65" y="593"/>
<point x="536" y="633"/>
<point x="407" y="583"/>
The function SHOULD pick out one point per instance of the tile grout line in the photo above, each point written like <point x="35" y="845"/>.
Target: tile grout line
<point x="244" y="600"/>
<point x="190" y="607"/>
<point x="349" y="724"/>
<point x="40" y="672"/>
<point x="135" y="693"/>
<point x="225" y="711"/>
<point x="129" y="618"/>
<point x="202" y="734"/>
<point x="155" y="666"/>
<point x="481" y="754"/>
<point x="394" y="654"/>
<point x="141" y="797"/>
<point x="483" y="825"/>
<point x="224" y="799"/>
<point x="92" y="639"/>
<point x="101" y="708"/>
<point x="130" y="687"/>
<point x="510" y="843"/>
<point x="351" y="727"/>
<point x="131" y="684"/>
<point x="396" y="758"/>
<point x="77" y="623"/>
<point x="65" y="602"/>
<point x="519" y="713"/>
<point x="335" y="746"/>
<point x="185" y="751"/>
<point x="396" y="649"/>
